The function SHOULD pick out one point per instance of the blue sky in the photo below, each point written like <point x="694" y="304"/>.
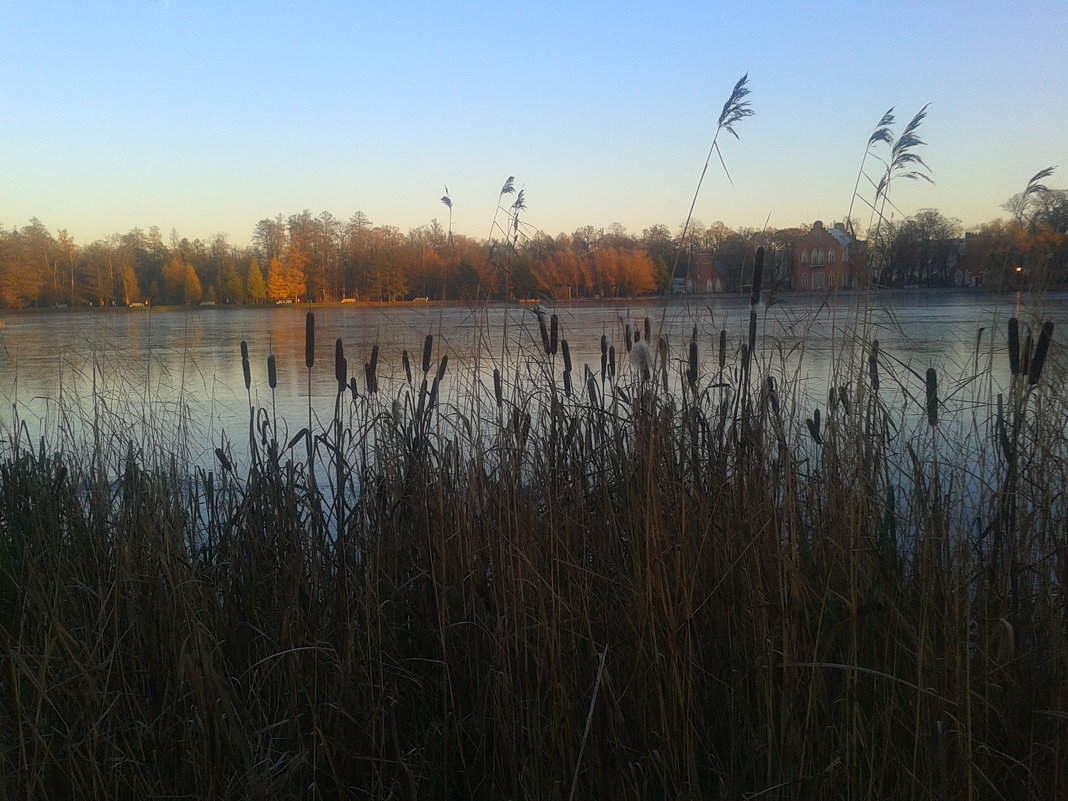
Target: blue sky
<point x="207" y="117"/>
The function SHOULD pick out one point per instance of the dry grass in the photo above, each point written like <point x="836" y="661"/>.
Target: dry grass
<point x="591" y="587"/>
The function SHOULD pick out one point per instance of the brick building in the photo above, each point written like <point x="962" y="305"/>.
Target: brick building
<point x="829" y="259"/>
<point x="707" y="276"/>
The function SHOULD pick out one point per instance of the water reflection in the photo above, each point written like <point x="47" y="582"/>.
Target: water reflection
<point x="180" y="371"/>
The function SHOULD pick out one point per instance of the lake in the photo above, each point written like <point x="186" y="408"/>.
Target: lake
<point x="179" y="371"/>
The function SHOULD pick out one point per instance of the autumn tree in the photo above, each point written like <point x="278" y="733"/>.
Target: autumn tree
<point x="256" y="286"/>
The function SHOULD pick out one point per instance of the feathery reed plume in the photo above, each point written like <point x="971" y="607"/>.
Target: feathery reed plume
<point x="734" y="111"/>
<point x="1039" y="359"/>
<point x="428" y="347"/>
<point x="641" y="359"/>
<point x="932" y="396"/>
<point x="1018" y="205"/>
<point x="309" y="340"/>
<point x="554" y="334"/>
<point x="1014" y="346"/>
<point x="341" y="365"/>
<point x="882" y="134"/>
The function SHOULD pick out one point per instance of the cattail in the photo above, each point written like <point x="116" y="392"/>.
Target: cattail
<point x="309" y="340"/>
<point x="843" y="396"/>
<point x="428" y="346"/>
<point x="567" y="355"/>
<point x="648" y="329"/>
<point x="662" y="355"/>
<point x="758" y="273"/>
<point x="932" y="396"/>
<point x="554" y="333"/>
<point x="722" y="348"/>
<point x="245" y="369"/>
<point x="813" y="424"/>
<point x="1025" y="354"/>
<point x="1014" y="346"/>
<point x="591" y="389"/>
<point x="628" y="339"/>
<point x="1039" y="359"/>
<point x="272" y="372"/>
<point x="368" y="378"/>
<point x="407" y="365"/>
<point x="612" y="361"/>
<point x="873" y="365"/>
<point x="544" y="333"/>
<point x="341" y="366"/>
<point x="498" y="389"/>
<point x="441" y="366"/>
<point x="374" y="360"/>
<point x="354" y="387"/>
<point x="691" y="368"/>
<point x="567" y="383"/>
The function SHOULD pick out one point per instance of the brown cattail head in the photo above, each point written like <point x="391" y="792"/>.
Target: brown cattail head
<point x="612" y="361"/>
<point x="932" y="396"/>
<point x="245" y="369"/>
<point x="554" y="334"/>
<point x="442" y="365"/>
<point x="354" y="387"/>
<point x="1014" y="345"/>
<point x="309" y="340"/>
<point x="341" y="365"/>
<point x="628" y="338"/>
<point x="498" y="389"/>
<point x="1041" y="350"/>
<point x="272" y="371"/>
<point x="873" y="365"/>
<point x="428" y="346"/>
<point x="758" y="274"/>
<point x="691" y="366"/>
<point x="407" y="365"/>
<point x="567" y="355"/>
<point x="722" y="348"/>
<point x="567" y="383"/>
<point x="648" y="329"/>
<point x="544" y="333"/>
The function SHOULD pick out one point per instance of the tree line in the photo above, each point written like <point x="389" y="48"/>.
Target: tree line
<point x="323" y="258"/>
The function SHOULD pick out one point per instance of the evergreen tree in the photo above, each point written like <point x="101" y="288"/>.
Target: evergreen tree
<point x="257" y="289"/>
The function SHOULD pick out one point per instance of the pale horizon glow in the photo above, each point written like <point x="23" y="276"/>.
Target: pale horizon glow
<point x="207" y="118"/>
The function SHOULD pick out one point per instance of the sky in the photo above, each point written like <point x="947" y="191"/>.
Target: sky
<point x="206" y="117"/>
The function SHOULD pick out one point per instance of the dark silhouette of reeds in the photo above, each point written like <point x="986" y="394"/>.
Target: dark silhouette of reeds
<point x="621" y="590"/>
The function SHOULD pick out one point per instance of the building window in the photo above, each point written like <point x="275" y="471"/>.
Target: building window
<point x="817" y="281"/>
<point x="815" y="260"/>
<point x="804" y="281"/>
<point x="804" y="257"/>
<point x="830" y="256"/>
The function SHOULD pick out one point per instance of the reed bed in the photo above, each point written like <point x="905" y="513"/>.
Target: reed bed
<point x="639" y="579"/>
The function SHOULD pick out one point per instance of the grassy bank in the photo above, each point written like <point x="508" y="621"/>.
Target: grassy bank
<point x="653" y="579"/>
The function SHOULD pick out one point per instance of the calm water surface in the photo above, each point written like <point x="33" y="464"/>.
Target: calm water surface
<point x="179" y="371"/>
